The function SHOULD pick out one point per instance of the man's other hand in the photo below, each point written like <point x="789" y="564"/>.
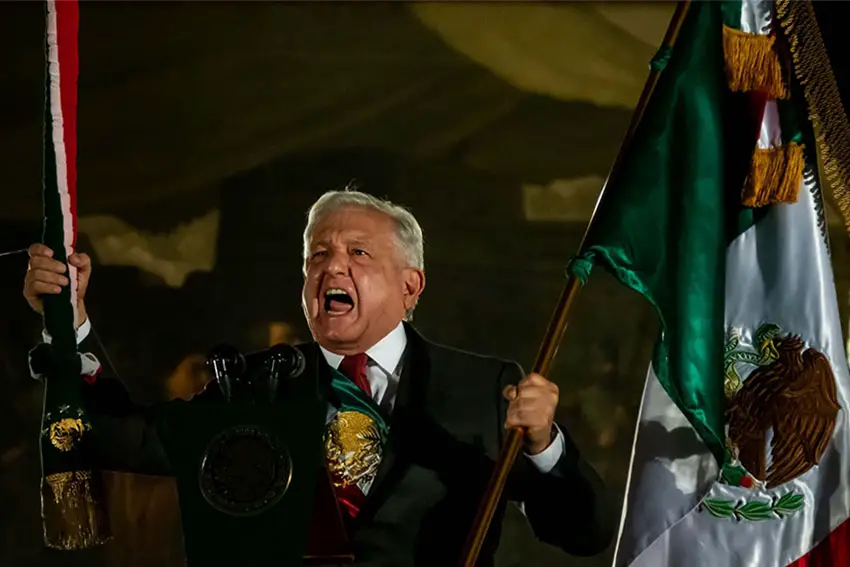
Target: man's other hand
<point x="47" y="276"/>
<point x="532" y="408"/>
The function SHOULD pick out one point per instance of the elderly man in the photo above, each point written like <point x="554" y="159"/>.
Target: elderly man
<point x="413" y="427"/>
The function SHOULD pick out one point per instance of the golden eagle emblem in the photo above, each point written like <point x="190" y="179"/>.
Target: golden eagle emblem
<point x="353" y="449"/>
<point x="791" y="393"/>
<point x="67" y="433"/>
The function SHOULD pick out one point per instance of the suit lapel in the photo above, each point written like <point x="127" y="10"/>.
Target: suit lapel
<point x="409" y="401"/>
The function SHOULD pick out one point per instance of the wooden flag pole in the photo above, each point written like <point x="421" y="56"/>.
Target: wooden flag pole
<point x="558" y="323"/>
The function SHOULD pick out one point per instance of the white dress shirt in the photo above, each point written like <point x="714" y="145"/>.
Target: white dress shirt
<point x="383" y="372"/>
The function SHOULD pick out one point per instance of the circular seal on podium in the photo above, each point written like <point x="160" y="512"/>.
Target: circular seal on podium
<point x="244" y="471"/>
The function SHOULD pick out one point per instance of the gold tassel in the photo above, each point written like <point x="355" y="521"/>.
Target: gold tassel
<point x="73" y="512"/>
<point x="775" y="176"/>
<point x="829" y="119"/>
<point x="752" y="64"/>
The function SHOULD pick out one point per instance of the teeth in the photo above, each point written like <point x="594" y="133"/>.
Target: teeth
<point x="336" y="291"/>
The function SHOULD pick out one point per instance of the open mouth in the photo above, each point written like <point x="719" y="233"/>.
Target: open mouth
<point x="338" y="302"/>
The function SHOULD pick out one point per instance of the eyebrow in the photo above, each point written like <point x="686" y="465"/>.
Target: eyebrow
<point x="351" y="242"/>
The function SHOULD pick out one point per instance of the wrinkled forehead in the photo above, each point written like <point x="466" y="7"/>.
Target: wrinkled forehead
<point x="343" y="238"/>
<point x="353" y="225"/>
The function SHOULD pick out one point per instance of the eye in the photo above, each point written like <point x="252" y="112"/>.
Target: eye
<point x="359" y="252"/>
<point x="319" y="254"/>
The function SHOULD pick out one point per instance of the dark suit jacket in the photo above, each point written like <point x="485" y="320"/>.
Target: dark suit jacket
<point x="446" y="430"/>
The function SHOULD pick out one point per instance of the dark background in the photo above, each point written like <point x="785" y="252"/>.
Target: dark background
<point x="249" y="111"/>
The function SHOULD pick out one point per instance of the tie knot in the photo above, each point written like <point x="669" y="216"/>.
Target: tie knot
<point x="354" y="366"/>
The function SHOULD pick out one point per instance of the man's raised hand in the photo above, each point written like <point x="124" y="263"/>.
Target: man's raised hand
<point x="46" y="276"/>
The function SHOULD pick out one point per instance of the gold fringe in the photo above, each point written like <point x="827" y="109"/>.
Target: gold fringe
<point x="752" y="64"/>
<point x="73" y="511"/>
<point x="775" y="176"/>
<point x="829" y="119"/>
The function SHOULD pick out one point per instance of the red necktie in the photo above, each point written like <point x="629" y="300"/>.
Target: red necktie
<point x="354" y="368"/>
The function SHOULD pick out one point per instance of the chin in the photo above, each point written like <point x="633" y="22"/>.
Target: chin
<point x="338" y="331"/>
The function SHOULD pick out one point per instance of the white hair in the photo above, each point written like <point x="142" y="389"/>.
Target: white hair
<point x="409" y="238"/>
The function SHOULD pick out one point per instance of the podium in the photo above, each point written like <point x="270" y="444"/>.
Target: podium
<point x="248" y="458"/>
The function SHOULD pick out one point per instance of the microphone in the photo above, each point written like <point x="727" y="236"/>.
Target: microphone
<point x="277" y="363"/>
<point x="280" y="361"/>
<point x="227" y="366"/>
<point x="254" y="375"/>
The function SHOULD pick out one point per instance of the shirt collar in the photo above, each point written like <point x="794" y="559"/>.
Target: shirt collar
<point x="386" y="353"/>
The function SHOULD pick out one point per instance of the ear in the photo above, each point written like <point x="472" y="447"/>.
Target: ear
<point x="414" y="285"/>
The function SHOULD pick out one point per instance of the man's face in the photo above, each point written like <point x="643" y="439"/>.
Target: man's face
<point x="356" y="285"/>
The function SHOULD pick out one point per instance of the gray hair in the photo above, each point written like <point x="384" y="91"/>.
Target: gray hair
<point x="409" y="238"/>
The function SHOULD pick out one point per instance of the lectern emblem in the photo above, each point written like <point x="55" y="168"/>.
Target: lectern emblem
<point x="245" y="471"/>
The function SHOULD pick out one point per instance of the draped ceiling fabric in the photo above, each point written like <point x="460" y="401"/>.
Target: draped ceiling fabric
<point x="174" y="98"/>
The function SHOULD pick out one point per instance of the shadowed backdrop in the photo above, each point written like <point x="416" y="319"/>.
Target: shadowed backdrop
<point x="207" y="129"/>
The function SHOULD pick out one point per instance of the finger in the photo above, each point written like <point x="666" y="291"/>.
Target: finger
<point x="537" y="394"/>
<point x="44" y="276"/>
<point x="512" y="420"/>
<point x="543" y="407"/>
<point x="535" y="379"/>
<point x="537" y="386"/>
<point x="44" y="288"/>
<point x="80" y="261"/>
<point x="44" y="263"/>
<point x="531" y="392"/>
<point x="40" y="250"/>
<point x="510" y="393"/>
<point x="527" y="419"/>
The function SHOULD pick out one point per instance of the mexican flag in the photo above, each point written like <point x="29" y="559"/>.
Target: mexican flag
<point x="72" y="505"/>
<point x="741" y="454"/>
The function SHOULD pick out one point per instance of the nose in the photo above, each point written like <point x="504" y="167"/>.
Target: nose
<point x="337" y="264"/>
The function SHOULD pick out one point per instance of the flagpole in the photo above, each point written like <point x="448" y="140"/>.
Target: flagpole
<point x="558" y="323"/>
